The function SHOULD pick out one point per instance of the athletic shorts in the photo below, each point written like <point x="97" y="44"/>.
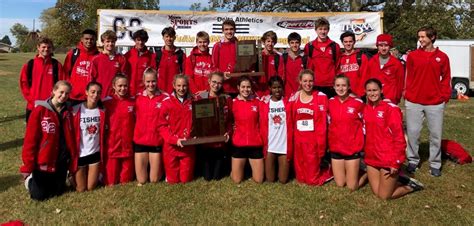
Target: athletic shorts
<point x="345" y="157"/>
<point x="247" y="152"/>
<point x="138" y="148"/>
<point x="88" y="159"/>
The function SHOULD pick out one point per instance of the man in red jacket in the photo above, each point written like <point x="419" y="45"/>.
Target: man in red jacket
<point x="199" y="64"/>
<point x="223" y="55"/>
<point x="293" y="62"/>
<point x="169" y="60"/>
<point x="38" y="76"/>
<point x="428" y="89"/>
<point x="323" y="56"/>
<point x="78" y="62"/>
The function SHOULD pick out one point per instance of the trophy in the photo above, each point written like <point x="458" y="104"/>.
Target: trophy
<point x="248" y="59"/>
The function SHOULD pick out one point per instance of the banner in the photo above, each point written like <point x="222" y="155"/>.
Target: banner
<point x="249" y="26"/>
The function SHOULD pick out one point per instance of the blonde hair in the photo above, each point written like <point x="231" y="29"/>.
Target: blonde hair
<point x="150" y="70"/>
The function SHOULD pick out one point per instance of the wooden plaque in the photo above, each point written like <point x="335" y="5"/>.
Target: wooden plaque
<point x="208" y="121"/>
<point x="248" y="59"/>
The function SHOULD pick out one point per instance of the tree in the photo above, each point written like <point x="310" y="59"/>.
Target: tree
<point x="6" y="40"/>
<point x="24" y="41"/>
<point x="195" y="6"/>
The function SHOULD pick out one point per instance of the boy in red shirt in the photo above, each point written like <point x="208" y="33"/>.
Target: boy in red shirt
<point x="38" y="76"/>
<point x="108" y="63"/>
<point x="323" y="56"/>
<point x="199" y="64"/>
<point x="270" y="61"/>
<point x="293" y="62"/>
<point x="223" y="55"/>
<point x="169" y="60"/>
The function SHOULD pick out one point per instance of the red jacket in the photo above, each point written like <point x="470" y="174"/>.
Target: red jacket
<point x="168" y="68"/>
<point x="198" y="67"/>
<point x="246" y="123"/>
<point x="76" y="114"/>
<point x="315" y="110"/>
<point x="42" y="80"/>
<point x="79" y="75"/>
<point x="176" y="122"/>
<point x="147" y="114"/>
<point x="223" y="58"/>
<point x="41" y="143"/>
<point x="120" y="121"/>
<point x="385" y="141"/>
<point x="392" y="76"/>
<point x="264" y="107"/>
<point x="322" y="62"/>
<point x="291" y="71"/>
<point x="348" y="66"/>
<point x="428" y="79"/>
<point x="138" y="63"/>
<point x="104" y="69"/>
<point x="345" y="135"/>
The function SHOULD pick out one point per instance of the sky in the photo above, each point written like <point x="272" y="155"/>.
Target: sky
<point x="25" y="11"/>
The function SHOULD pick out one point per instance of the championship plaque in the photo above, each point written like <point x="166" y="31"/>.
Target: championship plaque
<point x="208" y="121"/>
<point x="248" y="59"/>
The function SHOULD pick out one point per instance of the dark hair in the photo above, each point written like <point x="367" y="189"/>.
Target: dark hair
<point x="373" y="80"/>
<point x="273" y="79"/>
<point x="89" y="32"/>
<point x="142" y="34"/>
<point x="168" y="31"/>
<point x="430" y="32"/>
<point x="203" y="35"/>
<point x="45" y="40"/>
<point x="294" y="36"/>
<point x="217" y="73"/>
<point x="93" y="83"/>
<point x="321" y="22"/>
<point x="244" y="78"/>
<point x="228" y="22"/>
<point x="348" y="34"/>
<point x="269" y="34"/>
<point x="119" y="76"/>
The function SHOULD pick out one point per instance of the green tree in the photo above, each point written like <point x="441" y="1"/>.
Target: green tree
<point x="23" y="37"/>
<point x="6" y="40"/>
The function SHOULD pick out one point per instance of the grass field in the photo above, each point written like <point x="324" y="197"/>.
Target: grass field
<point x="448" y="200"/>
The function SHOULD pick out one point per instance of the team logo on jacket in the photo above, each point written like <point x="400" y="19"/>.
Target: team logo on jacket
<point x="380" y="114"/>
<point x="130" y="109"/>
<point x="321" y="107"/>
<point x="48" y="127"/>
<point x="158" y="105"/>
<point x="117" y="65"/>
<point x="50" y="71"/>
<point x="91" y="129"/>
<point x="254" y="108"/>
<point x="438" y="59"/>
<point x="350" y="110"/>
<point x="322" y="49"/>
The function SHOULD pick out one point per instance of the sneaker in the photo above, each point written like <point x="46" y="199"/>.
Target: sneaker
<point x="415" y="184"/>
<point x="411" y="168"/>
<point x="403" y="179"/>
<point x="27" y="181"/>
<point x="435" y="172"/>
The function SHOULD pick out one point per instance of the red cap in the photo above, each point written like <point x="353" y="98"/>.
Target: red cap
<point x="384" y="39"/>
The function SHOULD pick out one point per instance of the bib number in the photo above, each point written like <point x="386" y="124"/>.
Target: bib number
<point x="305" y="125"/>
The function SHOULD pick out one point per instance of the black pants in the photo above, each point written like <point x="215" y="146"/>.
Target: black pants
<point x="214" y="163"/>
<point x="44" y="185"/>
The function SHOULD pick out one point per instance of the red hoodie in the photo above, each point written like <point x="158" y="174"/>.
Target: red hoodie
<point x="79" y="73"/>
<point x="138" y="62"/>
<point x="223" y="58"/>
<point x="246" y="123"/>
<point x="147" y="111"/>
<point x="291" y="70"/>
<point x="198" y="67"/>
<point x="168" y="68"/>
<point x="120" y="121"/>
<point x="345" y="135"/>
<point x="392" y="76"/>
<point x="350" y="68"/>
<point x="41" y="143"/>
<point x="42" y="80"/>
<point x="428" y="79"/>
<point x="264" y="108"/>
<point x="322" y="62"/>
<point x="104" y="69"/>
<point x="385" y="141"/>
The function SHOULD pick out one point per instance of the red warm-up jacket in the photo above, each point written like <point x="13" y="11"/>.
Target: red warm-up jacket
<point x="351" y="69"/>
<point x="223" y="58"/>
<point x="104" y="69"/>
<point x="264" y="108"/>
<point x="168" y="68"/>
<point x="246" y="123"/>
<point x="176" y="122"/>
<point x="428" y="79"/>
<point x="41" y="143"/>
<point x="198" y="67"/>
<point x="392" y="76"/>
<point x="322" y="62"/>
<point x="138" y="62"/>
<point x="147" y="110"/>
<point x="42" y="80"/>
<point x="385" y="141"/>
<point x="76" y="114"/>
<point x="345" y="135"/>
<point x="120" y="121"/>
<point x="79" y="73"/>
<point x="292" y="69"/>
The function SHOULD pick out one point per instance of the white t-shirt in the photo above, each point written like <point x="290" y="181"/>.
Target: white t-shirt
<point x="277" y="131"/>
<point x="90" y="134"/>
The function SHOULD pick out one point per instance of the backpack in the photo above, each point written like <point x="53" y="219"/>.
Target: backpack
<point x="333" y="49"/>
<point x="75" y="55"/>
<point x="455" y="152"/>
<point x="304" y="60"/>
<point x="29" y="72"/>
<point x="178" y="52"/>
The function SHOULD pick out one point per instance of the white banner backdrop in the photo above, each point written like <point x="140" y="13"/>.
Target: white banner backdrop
<point x="366" y="25"/>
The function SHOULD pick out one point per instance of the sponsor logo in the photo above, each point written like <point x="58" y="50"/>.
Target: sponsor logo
<point x="178" y="22"/>
<point x="359" y="27"/>
<point x="48" y="127"/>
<point x="296" y="24"/>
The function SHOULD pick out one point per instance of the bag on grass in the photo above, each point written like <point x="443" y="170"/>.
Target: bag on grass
<point x="455" y="152"/>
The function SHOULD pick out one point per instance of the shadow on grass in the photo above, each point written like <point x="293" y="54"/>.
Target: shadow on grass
<point x="424" y="152"/>
<point x="11" y="144"/>
<point x="12" y="118"/>
<point x="9" y="181"/>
